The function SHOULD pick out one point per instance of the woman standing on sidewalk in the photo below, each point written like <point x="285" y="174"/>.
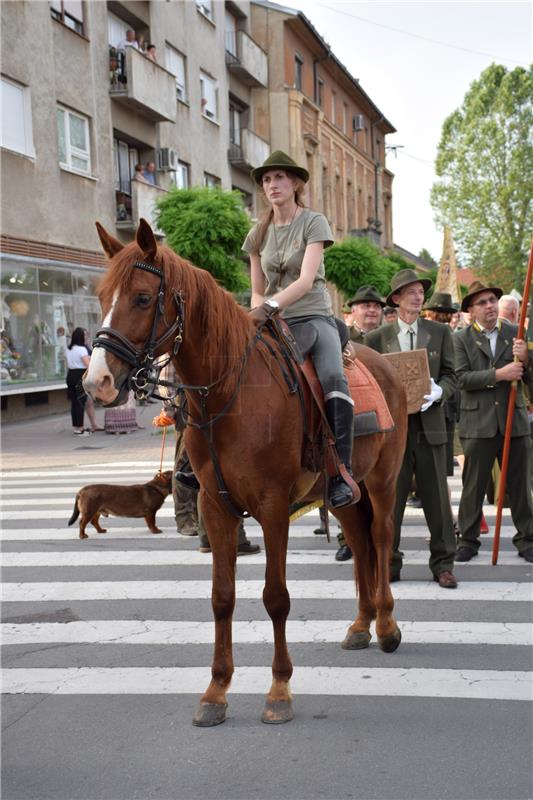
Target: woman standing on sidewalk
<point x="77" y="362"/>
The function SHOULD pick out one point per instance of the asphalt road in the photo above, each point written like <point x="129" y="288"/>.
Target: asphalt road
<point x="106" y="648"/>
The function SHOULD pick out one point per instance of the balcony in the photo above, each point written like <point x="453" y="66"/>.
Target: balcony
<point x="251" y="152"/>
<point x="139" y="203"/>
<point x="142" y="85"/>
<point x="246" y="59"/>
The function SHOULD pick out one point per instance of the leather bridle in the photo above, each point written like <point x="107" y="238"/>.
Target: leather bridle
<point x="143" y="376"/>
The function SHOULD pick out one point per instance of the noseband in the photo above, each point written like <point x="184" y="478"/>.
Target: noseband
<point x="143" y="375"/>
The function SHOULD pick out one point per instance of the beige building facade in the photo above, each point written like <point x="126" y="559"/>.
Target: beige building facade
<point x="78" y="115"/>
<point x="318" y="113"/>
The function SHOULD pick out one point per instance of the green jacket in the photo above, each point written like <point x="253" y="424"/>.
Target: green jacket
<point x="355" y="334"/>
<point x="484" y="401"/>
<point x="438" y="341"/>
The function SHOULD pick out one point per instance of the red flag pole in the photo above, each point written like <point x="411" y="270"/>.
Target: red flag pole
<point x="510" y="415"/>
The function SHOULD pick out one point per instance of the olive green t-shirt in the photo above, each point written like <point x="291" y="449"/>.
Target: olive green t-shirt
<point x="282" y="253"/>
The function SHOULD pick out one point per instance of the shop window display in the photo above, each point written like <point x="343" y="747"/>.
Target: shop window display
<point x="41" y="306"/>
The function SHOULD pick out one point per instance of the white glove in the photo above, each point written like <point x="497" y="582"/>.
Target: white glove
<point x="434" y="395"/>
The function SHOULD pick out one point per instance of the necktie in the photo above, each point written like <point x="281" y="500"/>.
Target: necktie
<point x="412" y="338"/>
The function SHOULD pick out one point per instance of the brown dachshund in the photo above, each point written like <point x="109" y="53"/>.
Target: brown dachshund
<point x="140" y="500"/>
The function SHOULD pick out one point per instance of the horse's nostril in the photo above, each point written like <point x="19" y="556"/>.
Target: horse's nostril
<point x="105" y="383"/>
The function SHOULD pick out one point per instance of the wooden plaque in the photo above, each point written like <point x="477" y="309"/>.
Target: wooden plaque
<point x="413" y="367"/>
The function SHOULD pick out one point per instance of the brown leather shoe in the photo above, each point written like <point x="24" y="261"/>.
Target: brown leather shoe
<point x="446" y="579"/>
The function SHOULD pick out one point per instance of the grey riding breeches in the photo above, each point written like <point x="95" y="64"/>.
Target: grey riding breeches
<point x="327" y="356"/>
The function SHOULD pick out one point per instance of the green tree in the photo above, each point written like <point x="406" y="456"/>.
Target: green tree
<point x="207" y="226"/>
<point x="425" y="256"/>
<point x="485" y="165"/>
<point x="356" y="262"/>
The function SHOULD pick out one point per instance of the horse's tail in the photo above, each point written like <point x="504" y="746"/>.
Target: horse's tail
<point x="75" y="513"/>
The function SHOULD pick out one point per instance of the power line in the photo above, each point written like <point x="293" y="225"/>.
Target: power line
<point x="423" y="38"/>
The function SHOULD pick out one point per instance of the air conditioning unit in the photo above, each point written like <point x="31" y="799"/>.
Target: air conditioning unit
<point x="358" y="122"/>
<point x="167" y="159"/>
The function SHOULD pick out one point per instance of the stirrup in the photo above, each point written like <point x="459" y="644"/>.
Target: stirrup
<point x="340" y="492"/>
<point x="188" y="479"/>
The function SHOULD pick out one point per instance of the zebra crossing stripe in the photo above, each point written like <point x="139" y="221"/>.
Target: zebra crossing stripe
<point x="342" y="681"/>
<point x="256" y="632"/>
<point x="163" y="558"/>
<point x="138" y="531"/>
<point x="252" y="590"/>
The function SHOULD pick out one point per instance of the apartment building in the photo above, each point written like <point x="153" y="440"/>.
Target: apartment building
<point x="80" y="109"/>
<point x="318" y="112"/>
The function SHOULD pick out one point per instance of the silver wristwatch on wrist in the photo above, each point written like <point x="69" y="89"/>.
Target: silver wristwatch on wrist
<point x="272" y="303"/>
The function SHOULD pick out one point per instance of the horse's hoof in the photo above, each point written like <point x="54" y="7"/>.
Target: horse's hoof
<point x="83" y="536"/>
<point x="275" y="713"/>
<point x="209" y="714"/>
<point x="359" y="640"/>
<point x="391" y="643"/>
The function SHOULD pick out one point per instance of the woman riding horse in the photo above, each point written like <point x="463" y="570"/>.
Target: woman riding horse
<point x="288" y="278"/>
<point x="244" y="436"/>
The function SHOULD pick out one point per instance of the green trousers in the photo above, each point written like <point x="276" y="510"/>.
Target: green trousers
<point x="480" y="455"/>
<point x="427" y="462"/>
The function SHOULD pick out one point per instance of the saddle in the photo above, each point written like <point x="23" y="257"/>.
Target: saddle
<point x="371" y="411"/>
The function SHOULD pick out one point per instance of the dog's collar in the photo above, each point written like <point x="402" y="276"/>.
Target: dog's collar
<point x="160" y="489"/>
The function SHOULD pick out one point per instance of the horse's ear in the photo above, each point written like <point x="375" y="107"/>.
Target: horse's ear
<point x="146" y="240"/>
<point x="110" y="245"/>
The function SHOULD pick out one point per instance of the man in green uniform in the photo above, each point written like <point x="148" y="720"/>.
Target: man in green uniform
<point x="485" y="365"/>
<point x="367" y="307"/>
<point x="425" y="453"/>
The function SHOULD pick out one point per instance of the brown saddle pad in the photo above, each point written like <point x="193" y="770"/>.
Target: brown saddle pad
<point x="371" y="411"/>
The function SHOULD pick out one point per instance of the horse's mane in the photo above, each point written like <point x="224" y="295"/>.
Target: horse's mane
<point x="224" y="327"/>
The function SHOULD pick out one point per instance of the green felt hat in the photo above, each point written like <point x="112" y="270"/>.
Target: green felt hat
<point x="403" y="278"/>
<point x="366" y="294"/>
<point x="441" y="301"/>
<point x="279" y="160"/>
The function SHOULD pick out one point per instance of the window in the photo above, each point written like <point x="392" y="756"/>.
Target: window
<point x="298" y="71"/>
<point x="73" y="140"/>
<point x="211" y="181"/>
<point x="234" y="124"/>
<point x="209" y="93"/>
<point x="116" y="30"/>
<point x="175" y="63"/>
<point x="16" y="129"/>
<point x="205" y="8"/>
<point x="334" y="108"/>
<point x="69" y="12"/>
<point x="231" y="34"/>
<point x="320" y="92"/>
<point x="345" y="118"/>
<point x="181" y="176"/>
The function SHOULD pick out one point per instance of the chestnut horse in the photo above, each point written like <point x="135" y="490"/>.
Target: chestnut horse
<point x="155" y="302"/>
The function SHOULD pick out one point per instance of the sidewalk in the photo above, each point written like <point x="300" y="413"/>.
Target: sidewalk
<point x="49" y="441"/>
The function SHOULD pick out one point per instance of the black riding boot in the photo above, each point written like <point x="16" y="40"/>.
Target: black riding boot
<point x="186" y="476"/>
<point x="339" y="414"/>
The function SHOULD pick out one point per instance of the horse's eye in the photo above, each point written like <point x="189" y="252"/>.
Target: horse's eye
<point x="143" y="300"/>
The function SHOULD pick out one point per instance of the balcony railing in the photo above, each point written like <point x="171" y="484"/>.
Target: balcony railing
<point x="246" y="59"/>
<point x="142" y="84"/>
<point x="250" y="152"/>
<point x="139" y="203"/>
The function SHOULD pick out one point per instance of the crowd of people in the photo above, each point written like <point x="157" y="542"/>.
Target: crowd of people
<point x="473" y="355"/>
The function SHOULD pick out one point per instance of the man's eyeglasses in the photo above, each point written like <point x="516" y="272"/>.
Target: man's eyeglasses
<point x="486" y="301"/>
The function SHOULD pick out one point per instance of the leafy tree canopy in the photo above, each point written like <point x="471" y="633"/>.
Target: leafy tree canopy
<point x="425" y="256"/>
<point x="207" y="226"/>
<point x="485" y="166"/>
<point x="356" y="262"/>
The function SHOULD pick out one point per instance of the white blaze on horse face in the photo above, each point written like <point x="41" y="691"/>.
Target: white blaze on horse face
<point x="99" y="381"/>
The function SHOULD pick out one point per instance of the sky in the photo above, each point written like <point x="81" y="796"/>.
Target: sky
<point x="418" y="74"/>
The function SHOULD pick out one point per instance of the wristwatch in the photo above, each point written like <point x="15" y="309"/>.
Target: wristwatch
<point x="272" y="303"/>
